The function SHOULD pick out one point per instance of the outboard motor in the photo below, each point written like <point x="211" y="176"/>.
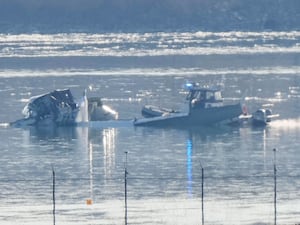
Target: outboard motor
<point x="259" y="117"/>
<point x="268" y="113"/>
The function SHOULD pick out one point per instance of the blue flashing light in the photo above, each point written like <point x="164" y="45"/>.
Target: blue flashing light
<point x="189" y="86"/>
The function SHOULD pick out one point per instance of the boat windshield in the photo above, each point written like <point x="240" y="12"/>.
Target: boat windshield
<point x="205" y="95"/>
<point x="218" y="96"/>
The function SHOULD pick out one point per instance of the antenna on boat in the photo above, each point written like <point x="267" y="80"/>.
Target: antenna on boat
<point x="275" y="188"/>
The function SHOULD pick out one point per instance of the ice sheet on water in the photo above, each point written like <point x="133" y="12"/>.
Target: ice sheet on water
<point x="157" y="71"/>
<point x="147" y="44"/>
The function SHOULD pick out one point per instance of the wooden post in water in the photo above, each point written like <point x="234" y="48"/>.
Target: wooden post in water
<point x="53" y="194"/>
<point x="125" y="182"/>
<point x="275" y="188"/>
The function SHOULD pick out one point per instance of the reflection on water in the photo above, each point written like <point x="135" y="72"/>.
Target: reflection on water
<point x="189" y="165"/>
<point x="94" y="138"/>
<point x="90" y="153"/>
<point x="109" y="139"/>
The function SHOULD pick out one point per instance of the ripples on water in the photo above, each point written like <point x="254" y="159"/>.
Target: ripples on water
<point x="164" y="181"/>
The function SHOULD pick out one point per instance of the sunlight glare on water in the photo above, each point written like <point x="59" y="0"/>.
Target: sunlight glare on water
<point x="150" y="44"/>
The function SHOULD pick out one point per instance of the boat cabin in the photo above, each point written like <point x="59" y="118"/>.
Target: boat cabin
<point x="199" y="97"/>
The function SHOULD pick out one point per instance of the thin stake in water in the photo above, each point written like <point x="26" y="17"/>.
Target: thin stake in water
<point x="275" y="188"/>
<point x="202" y="192"/>
<point x="53" y="194"/>
<point x="125" y="181"/>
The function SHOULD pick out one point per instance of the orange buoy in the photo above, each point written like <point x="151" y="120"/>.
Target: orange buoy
<point x="89" y="201"/>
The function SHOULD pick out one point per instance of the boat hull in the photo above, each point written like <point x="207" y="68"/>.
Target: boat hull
<point x="197" y="117"/>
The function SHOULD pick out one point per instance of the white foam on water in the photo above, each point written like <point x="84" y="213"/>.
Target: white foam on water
<point x="286" y="124"/>
<point x="4" y="125"/>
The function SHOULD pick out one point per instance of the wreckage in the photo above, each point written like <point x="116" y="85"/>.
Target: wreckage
<point x="59" y="108"/>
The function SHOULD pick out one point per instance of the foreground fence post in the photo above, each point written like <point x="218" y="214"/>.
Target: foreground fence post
<point x="275" y="188"/>
<point x="125" y="187"/>
<point x="53" y="194"/>
<point x="202" y="185"/>
<point x="202" y="192"/>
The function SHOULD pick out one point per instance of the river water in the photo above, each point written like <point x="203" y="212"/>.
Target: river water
<point x="164" y="165"/>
